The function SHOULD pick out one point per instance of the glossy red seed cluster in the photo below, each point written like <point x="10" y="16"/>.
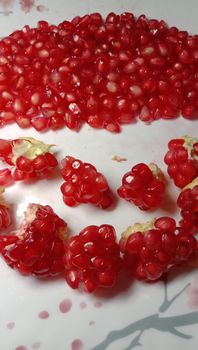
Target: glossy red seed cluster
<point x="103" y="72"/>
<point x="38" y="247"/>
<point x="92" y="258"/>
<point x="39" y="165"/>
<point x="143" y="187"/>
<point x="5" y="217"/>
<point x="182" y="160"/>
<point x="84" y="184"/>
<point x="151" y="252"/>
<point x="188" y="203"/>
<point x="6" y="178"/>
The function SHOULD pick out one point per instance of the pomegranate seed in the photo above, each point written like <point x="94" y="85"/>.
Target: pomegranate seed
<point x="151" y="249"/>
<point x="182" y="160"/>
<point x="188" y="203"/>
<point x="38" y="247"/>
<point x="84" y="184"/>
<point x="143" y="186"/>
<point x="6" y="178"/>
<point x="92" y="258"/>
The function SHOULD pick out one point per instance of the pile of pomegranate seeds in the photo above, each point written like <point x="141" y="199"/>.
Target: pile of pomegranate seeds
<point x="105" y="72"/>
<point x="182" y="160"/>
<point x="38" y="247"/>
<point x="84" y="184"/>
<point x="143" y="186"/>
<point x="188" y="203"/>
<point x="92" y="258"/>
<point x="5" y="217"/>
<point x="31" y="158"/>
<point x="151" y="249"/>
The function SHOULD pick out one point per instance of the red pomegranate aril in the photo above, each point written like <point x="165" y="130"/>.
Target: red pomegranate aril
<point x="84" y="184"/>
<point x="181" y="161"/>
<point x="92" y="258"/>
<point x="24" y="164"/>
<point x="150" y="250"/>
<point x="143" y="186"/>
<point x="188" y="204"/>
<point x="38" y="247"/>
<point x="40" y="123"/>
<point x="6" y="178"/>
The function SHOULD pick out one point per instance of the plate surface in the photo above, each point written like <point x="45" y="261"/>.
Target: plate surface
<point x="49" y="315"/>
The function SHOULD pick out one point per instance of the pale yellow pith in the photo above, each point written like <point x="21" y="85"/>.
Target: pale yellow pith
<point x="192" y="184"/>
<point x="2" y="200"/>
<point x="188" y="144"/>
<point x="30" y="216"/>
<point x="149" y="225"/>
<point x="30" y="148"/>
<point x="156" y="171"/>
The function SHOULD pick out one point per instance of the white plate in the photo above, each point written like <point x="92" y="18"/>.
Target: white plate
<point x="150" y="315"/>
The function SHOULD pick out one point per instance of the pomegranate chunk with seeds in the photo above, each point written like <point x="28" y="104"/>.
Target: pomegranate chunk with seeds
<point x="5" y="217"/>
<point x="143" y="186"/>
<point x="188" y="203"/>
<point x="38" y="246"/>
<point x="105" y="72"/>
<point x="30" y="157"/>
<point x="92" y="258"/>
<point x="182" y="160"/>
<point x="84" y="184"/>
<point x="6" y="178"/>
<point x="151" y="249"/>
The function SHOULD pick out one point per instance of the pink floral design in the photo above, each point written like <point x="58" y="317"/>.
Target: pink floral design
<point x="25" y="5"/>
<point x="192" y="292"/>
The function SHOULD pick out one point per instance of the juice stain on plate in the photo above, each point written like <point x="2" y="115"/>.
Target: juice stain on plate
<point x="43" y="314"/>
<point x="36" y="345"/>
<point x="65" y="305"/>
<point x="83" y="305"/>
<point x="77" y="344"/>
<point x="98" y="304"/>
<point x="10" y="325"/>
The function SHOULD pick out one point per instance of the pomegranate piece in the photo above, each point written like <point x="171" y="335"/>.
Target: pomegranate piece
<point x="188" y="203"/>
<point x="151" y="249"/>
<point x="5" y="217"/>
<point x="6" y="178"/>
<point x="92" y="258"/>
<point x="105" y="72"/>
<point x="84" y="184"/>
<point x="143" y="186"/>
<point x="182" y="160"/>
<point x="38" y="246"/>
<point x="30" y="157"/>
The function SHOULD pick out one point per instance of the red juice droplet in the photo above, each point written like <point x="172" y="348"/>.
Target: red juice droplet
<point x="77" y="344"/>
<point x="98" y="304"/>
<point x="36" y="345"/>
<point x="43" y="314"/>
<point x="10" y="325"/>
<point x="65" y="306"/>
<point x="83" y="305"/>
